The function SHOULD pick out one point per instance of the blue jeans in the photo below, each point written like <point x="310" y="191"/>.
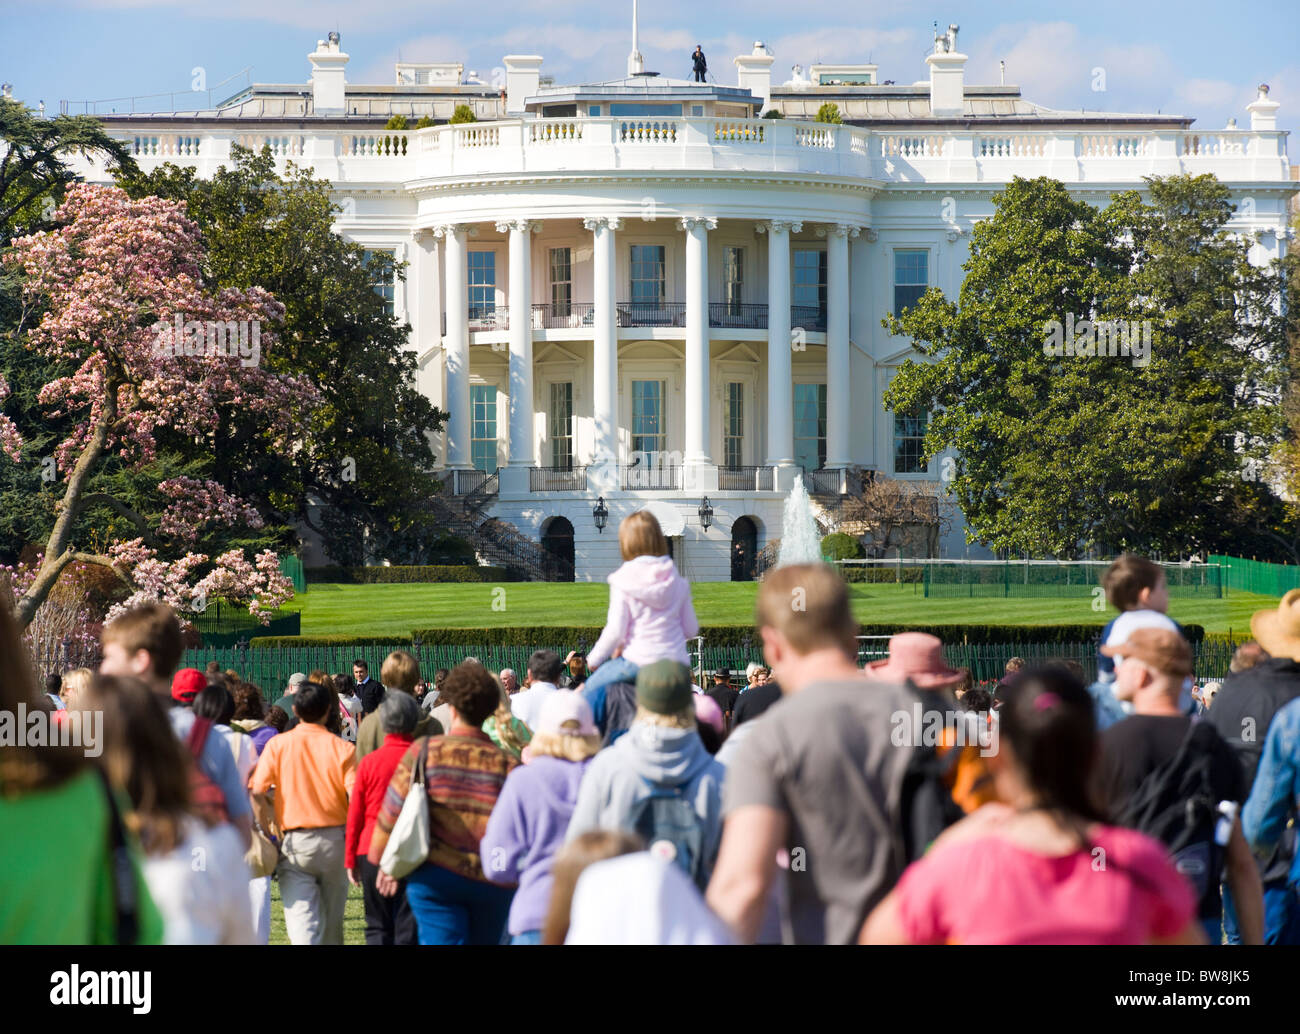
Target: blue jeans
<point x="453" y="909"/>
<point x="616" y="669"/>
<point x="1281" y="915"/>
<point x="527" y="937"/>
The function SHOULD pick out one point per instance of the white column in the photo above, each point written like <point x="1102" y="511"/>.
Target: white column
<point x="780" y="389"/>
<point x="523" y="443"/>
<point x="456" y="345"/>
<point x="838" y="382"/>
<point x="697" y="340"/>
<point x="603" y="475"/>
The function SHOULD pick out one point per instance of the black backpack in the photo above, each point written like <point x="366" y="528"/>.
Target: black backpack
<point x="1177" y="805"/>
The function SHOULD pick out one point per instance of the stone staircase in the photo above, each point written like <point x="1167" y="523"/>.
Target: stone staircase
<point x="496" y="542"/>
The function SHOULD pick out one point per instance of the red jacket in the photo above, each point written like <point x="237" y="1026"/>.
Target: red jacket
<point x="373" y="776"/>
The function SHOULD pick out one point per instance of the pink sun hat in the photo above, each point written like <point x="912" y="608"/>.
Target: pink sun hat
<point x="917" y="658"/>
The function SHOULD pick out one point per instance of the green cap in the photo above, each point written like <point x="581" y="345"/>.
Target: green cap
<point x="664" y="687"/>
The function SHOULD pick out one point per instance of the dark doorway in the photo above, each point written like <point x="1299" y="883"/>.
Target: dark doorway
<point x="557" y="539"/>
<point x="744" y="549"/>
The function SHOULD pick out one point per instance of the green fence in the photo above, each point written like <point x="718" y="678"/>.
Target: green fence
<point x="1257" y="576"/>
<point x="270" y="668"/>
<point x="223" y="625"/>
<point x="989" y="579"/>
<point x="291" y="568"/>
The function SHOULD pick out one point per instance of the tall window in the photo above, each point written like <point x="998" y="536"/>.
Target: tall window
<point x="648" y="417"/>
<point x="648" y="275"/>
<point x="483" y="426"/>
<point x="381" y="281"/>
<point x="810" y="425"/>
<point x="559" y="419"/>
<point x="911" y="277"/>
<point x="809" y="295"/>
<point x="909" y="433"/>
<point x="482" y="275"/>
<point x="733" y="279"/>
<point x="733" y="437"/>
<point x="561" y="282"/>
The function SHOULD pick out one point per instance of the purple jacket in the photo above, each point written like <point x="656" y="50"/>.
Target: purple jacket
<point x="526" y="830"/>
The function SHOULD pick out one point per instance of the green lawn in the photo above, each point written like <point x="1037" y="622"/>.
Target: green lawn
<point x="354" y="917"/>
<point x="377" y="610"/>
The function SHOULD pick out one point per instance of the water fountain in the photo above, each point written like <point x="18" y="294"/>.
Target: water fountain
<point x="800" y="541"/>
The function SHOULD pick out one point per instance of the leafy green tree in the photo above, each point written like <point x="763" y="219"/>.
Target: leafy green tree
<point x="424" y="123"/>
<point x="363" y="472"/>
<point x="33" y="174"/>
<point x="396" y="122"/>
<point x="829" y="112"/>
<point x="462" y="113"/>
<point x="1060" y="454"/>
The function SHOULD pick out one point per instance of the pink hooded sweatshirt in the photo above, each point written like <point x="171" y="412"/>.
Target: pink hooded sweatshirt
<point x="650" y="614"/>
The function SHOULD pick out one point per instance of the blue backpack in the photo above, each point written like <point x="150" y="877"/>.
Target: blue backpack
<point x="667" y="822"/>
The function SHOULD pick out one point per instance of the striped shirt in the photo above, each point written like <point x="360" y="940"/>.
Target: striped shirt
<point x="463" y="776"/>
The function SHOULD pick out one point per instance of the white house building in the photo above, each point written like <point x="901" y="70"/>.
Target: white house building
<point x="639" y="293"/>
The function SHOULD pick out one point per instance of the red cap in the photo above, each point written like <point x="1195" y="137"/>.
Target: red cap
<point x="187" y="684"/>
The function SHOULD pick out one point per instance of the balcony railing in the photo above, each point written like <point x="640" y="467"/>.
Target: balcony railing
<point x="825" y="481"/>
<point x="557" y="479"/>
<point x="463" y="482"/>
<point x="652" y="314"/>
<point x="899" y="155"/>
<point x="573" y="316"/>
<point x="489" y="317"/>
<point x="811" y="318"/>
<point x="747" y="479"/>
<point x="650" y="477"/>
<point x="737" y="315"/>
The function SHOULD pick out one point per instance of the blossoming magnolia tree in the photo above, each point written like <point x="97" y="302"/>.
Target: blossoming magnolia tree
<point x="102" y="294"/>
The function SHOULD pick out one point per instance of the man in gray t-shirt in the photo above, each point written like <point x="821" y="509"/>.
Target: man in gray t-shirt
<point x="819" y="777"/>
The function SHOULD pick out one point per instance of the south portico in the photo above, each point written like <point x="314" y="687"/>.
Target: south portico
<point x="659" y="317"/>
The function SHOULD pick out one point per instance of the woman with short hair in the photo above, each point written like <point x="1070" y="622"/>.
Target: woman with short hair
<point x="451" y="897"/>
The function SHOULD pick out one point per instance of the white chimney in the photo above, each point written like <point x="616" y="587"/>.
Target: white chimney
<point x="754" y="73"/>
<point x="523" y="77"/>
<point x="1263" y="112"/>
<point x="328" y="62"/>
<point x="947" y="76"/>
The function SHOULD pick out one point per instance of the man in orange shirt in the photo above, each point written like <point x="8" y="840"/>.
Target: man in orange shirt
<point x="312" y="772"/>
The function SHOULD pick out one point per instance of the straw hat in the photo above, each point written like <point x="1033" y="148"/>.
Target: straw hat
<point x="1278" y="631"/>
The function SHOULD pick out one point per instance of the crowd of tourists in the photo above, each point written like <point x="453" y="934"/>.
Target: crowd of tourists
<point x="611" y="799"/>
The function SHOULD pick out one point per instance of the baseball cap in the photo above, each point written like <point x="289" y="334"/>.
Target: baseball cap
<point x="187" y="684"/>
<point x="564" y="707"/>
<point x="1161" y="649"/>
<point x="664" y="687"/>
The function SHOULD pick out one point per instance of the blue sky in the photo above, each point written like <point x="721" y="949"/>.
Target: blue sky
<point x="1197" y="58"/>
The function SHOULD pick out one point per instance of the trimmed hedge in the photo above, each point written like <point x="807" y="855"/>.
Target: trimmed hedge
<point x="735" y="635"/>
<point x="392" y="575"/>
<point x="883" y="575"/>
<point x="281" y="642"/>
<point x="840" y="545"/>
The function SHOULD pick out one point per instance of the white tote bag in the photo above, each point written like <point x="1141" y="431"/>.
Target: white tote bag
<point x="408" y="845"/>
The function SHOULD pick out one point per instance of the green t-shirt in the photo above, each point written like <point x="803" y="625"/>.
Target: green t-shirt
<point x="56" y="871"/>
